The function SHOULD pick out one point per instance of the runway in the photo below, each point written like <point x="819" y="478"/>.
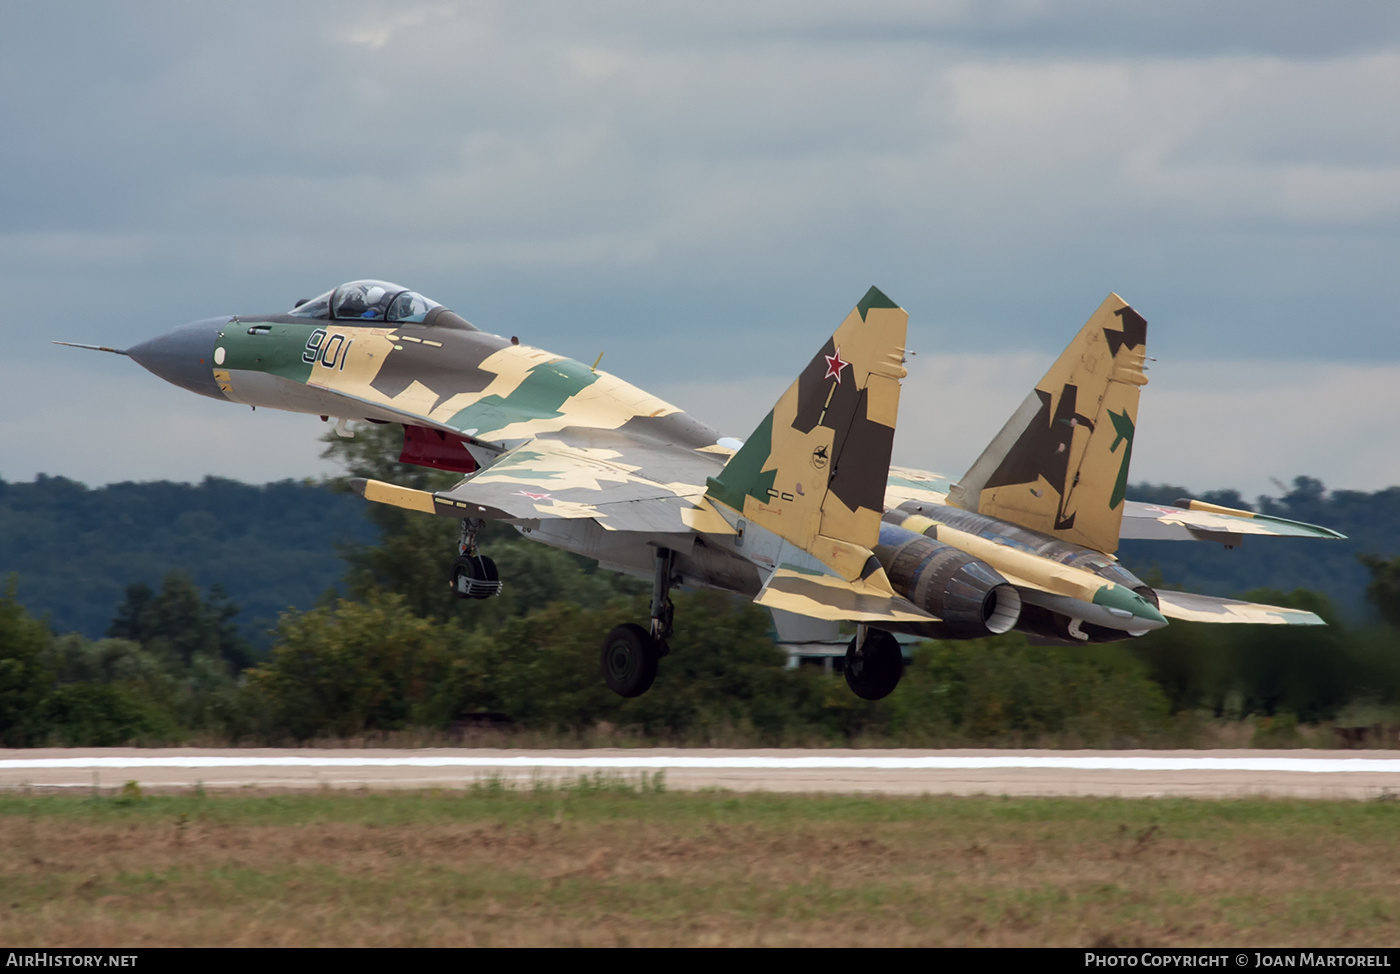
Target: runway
<point x="1141" y="774"/>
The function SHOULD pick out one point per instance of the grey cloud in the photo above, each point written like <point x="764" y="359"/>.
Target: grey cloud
<point x="699" y="189"/>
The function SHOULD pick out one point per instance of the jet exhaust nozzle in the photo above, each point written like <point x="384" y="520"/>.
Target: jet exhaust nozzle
<point x="970" y="597"/>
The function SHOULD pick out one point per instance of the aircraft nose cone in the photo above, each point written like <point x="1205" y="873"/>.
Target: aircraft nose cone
<point x="185" y="356"/>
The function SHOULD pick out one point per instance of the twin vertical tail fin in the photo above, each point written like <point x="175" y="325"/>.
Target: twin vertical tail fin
<point x="1060" y="464"/>
<point x="814" y="471"/>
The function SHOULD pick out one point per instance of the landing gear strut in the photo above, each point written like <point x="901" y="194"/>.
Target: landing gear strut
<point x="473" y="575"/>
<point x="631" y="653"/>
<point x="662" y="611"/>
<point x="874" y="663"/>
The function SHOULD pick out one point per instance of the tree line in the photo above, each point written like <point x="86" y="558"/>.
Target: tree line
<point x="279" y="545"/>
<point x="396" y="653"/>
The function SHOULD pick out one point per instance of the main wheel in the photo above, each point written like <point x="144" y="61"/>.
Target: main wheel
<point x="629" y="660"/>
<point x="475" y="577"/>
<point x="874" y="672"/>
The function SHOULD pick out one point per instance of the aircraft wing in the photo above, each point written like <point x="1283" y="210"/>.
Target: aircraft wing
<point x="625" y="483"/>
<point x="1199" y="521"/>
<point x="1205" y="608"/>
<point x="906" y="484"/>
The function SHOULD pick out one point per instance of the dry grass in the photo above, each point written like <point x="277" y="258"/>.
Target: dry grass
<point x="606" y="865"/>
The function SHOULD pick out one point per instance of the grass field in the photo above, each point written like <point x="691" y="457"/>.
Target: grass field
<point x="611" y="863"/>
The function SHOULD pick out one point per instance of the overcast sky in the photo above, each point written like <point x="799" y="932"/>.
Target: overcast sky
<point x="702" y="191"/>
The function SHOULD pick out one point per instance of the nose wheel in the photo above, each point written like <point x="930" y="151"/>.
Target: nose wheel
<point x="473" y="575"/>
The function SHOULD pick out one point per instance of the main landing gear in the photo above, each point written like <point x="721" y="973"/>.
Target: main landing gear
<point x="631" y="653"/>
<point x="473" y="575"/>
<point x="874" y="663"/>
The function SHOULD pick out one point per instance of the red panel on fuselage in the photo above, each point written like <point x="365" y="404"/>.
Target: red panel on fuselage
<point x="433" y="448"/>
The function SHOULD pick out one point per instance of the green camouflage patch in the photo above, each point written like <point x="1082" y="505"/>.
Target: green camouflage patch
<point x="874" y="298"/>
<point x="542" y="392"/>
<point x="743" y="475"/>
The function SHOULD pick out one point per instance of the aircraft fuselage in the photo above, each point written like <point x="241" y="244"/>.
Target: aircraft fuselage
<point x="480" y="394"/>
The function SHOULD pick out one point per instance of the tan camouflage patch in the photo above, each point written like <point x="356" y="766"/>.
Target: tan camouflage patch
<point x="906" y="484"/>
<point x="1210" y="522"/>
<point x="405" y="497"/>
<point x="815" y="470"/>
<point x="1204" y="608"/>
<point x="1019" y="567"/>
<point x="1060" y="465"/>
<point x="826" y="597"/>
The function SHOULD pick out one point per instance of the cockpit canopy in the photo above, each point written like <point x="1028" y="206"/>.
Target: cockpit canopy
<point x="368" y="301"/>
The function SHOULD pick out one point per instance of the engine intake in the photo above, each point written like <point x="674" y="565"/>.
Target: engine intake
<point x="971" y="597"/>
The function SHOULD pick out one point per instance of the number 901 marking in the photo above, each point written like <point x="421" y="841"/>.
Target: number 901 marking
<point x="331" y="352"/>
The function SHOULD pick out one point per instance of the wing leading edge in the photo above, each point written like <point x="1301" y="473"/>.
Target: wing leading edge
<point x="547" y="479"/>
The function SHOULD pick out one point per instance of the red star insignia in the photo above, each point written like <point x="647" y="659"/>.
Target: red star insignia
<point x="834" y="365"/>
<point x="534" y="497"/>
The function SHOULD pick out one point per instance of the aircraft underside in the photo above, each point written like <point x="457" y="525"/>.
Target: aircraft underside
<point x="971" y="599"/>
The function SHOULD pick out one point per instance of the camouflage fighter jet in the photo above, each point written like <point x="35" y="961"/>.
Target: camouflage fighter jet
<point x="804" y="516"/>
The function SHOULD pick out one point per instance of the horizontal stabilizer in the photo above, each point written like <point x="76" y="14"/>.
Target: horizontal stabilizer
<point x="1199" y="521"/>
<point x="829" y="597"/>
<point x="1188" y="607"/>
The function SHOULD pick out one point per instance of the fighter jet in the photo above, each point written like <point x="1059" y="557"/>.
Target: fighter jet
<point x="804" y="516"/>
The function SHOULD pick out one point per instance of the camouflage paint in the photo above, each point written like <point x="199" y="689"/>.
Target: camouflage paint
<point x="814" y="472"/>
<point x="540" y="394"/>
<point x="1054" y="467"/>
<point x="593" y="451"/>
<point x="743" y="476"/>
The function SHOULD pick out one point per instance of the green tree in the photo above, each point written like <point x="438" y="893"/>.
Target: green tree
<point x="1308" y="671"/>
<point x="540" y="670"/>
<point x="1239" y="670"/>
<point x="180" y="624"/>
<point x="1193" y="663"/>
<point x="723" y="674"/>
<point x="1003" y="690"/>
<point x="352" y="667"/>
<point x="105" y="715"/>
<point x="24" y="679"/>
<point x="1383" y="591"/>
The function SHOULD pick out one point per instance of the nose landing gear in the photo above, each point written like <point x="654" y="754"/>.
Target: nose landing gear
<point x="473" y="575"/>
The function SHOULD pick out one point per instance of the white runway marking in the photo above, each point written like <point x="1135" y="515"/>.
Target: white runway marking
<point x="1203" y="774"/>
<point x="734" y="762"/>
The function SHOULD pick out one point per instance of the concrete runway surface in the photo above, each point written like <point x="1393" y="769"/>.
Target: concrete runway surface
<point x="1141" y="774"/>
